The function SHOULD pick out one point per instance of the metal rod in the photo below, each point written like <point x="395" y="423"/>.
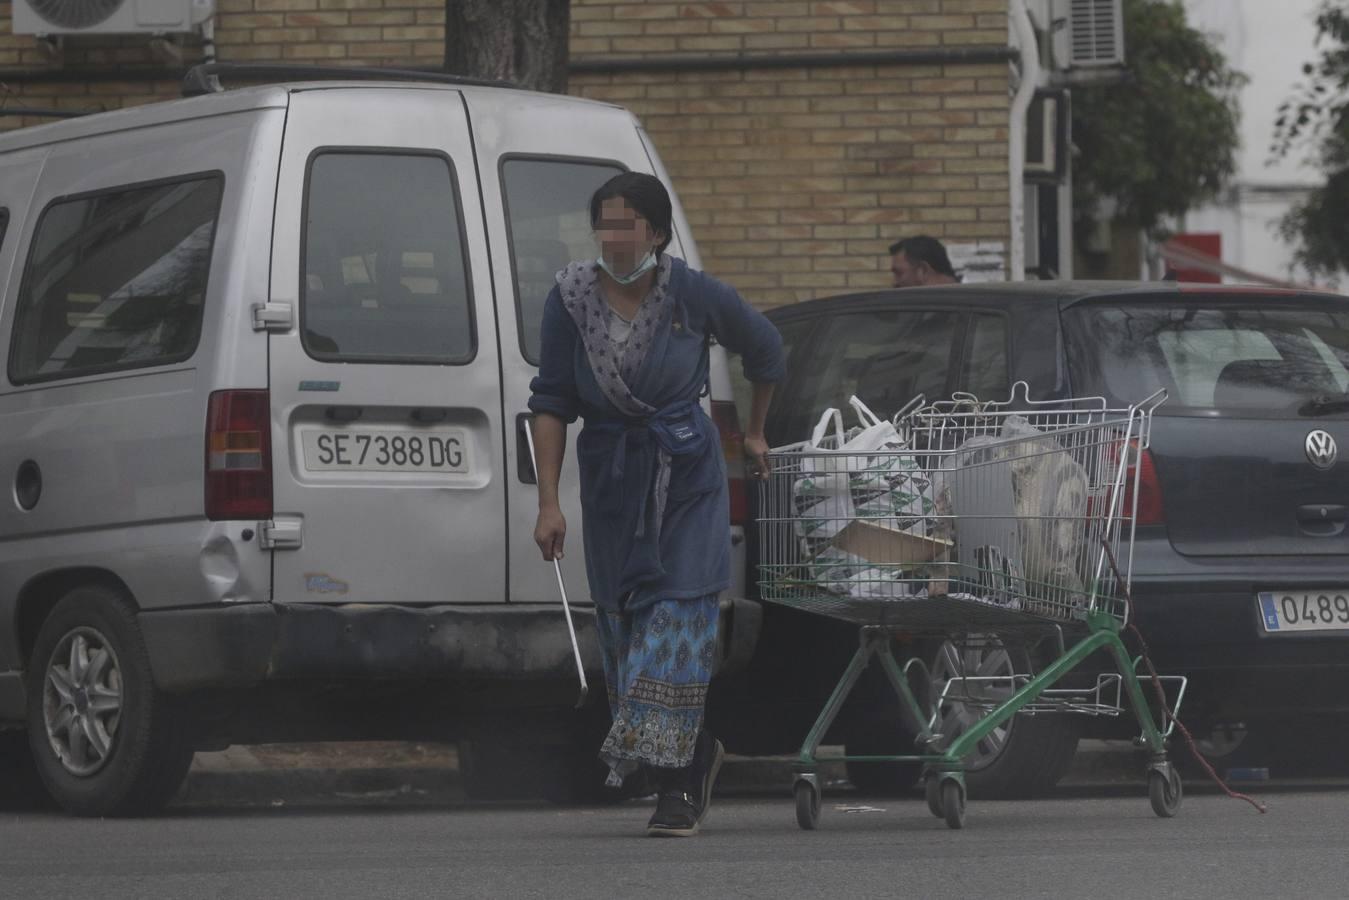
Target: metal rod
<point x="561" y="584"/>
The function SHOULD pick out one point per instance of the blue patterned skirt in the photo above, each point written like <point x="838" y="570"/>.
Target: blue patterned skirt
<point x="658" y="662"/>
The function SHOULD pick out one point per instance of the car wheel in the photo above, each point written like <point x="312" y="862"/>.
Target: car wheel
<point x="103" y="737"/>
<point x="1025" y="756"/>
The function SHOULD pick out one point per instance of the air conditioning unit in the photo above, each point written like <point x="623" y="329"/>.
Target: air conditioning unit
<point x="1087" y="33"/>
<point x="52" y="17"/>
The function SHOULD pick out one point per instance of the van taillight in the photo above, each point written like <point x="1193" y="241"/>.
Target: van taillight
<point x="238" y="456"/>
<point x="727" y="420"/>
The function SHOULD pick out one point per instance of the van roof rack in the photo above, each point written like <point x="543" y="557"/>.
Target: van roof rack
<point x="205" y="78"/>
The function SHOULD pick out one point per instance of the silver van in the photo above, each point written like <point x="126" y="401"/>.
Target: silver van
<point x="266" y="362"/>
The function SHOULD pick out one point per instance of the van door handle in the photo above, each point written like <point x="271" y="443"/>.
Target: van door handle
<point x="524" y="463"/>
<point x="343" y="413"/>
<point x="1322" y="519"/>
<point x="428" y="415"/>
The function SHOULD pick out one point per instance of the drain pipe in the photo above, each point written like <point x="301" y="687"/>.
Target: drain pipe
<point x="1024" y="32"/>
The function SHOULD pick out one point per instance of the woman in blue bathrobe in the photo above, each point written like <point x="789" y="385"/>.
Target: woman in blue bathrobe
<point x="625" y="348"/>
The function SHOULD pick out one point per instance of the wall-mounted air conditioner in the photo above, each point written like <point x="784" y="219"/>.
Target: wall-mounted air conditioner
<point x="53" y="17"/>
<point x="1087" y="33"/>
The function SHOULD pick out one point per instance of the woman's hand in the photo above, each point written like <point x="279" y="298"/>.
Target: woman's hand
<point x="550" y="532"/>
<point x="756" y="450"/>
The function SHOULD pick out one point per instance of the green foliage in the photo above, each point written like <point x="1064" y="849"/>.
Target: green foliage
<point x="1165" y="140"/>
<point x="1318" y="116"/>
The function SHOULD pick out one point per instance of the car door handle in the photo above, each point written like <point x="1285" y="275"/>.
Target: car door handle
<point x="1322" y="519"/>
<point x="1321" y="512"/>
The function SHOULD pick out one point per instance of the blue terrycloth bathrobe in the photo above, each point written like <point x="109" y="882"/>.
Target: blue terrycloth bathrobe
<point x="653" y="490"/>
<point x="646" y="540"/>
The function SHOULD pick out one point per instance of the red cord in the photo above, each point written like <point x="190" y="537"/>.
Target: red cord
<point x="1161" y="695"/>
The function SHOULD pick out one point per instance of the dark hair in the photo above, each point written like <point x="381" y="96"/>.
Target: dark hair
<point x="645" y="194"/>
<point x="924" y="249"/>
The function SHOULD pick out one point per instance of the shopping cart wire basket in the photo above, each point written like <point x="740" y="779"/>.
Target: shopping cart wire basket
<point x="969" y="521"/>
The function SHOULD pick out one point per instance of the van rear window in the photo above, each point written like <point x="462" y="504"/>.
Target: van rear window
<point x="548" y="209"/>
<point x="116" y="280"/>
<point x="384" y="274"/>
<point x="1267" y="357"/>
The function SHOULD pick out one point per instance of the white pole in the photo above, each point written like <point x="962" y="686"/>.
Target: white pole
<point x="1024" y="33"/>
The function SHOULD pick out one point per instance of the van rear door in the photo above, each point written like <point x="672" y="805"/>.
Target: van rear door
<point x="385" y="382"/>
<point x="542" y="157"/>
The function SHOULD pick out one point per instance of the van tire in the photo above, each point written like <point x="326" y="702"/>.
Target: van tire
<point x="92" y="646"/>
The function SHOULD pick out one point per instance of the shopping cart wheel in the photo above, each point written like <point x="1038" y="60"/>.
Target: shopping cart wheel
<point x="1165" y="791"/>
<point x="932" y="793"/>
<point x="807" y="804"/>
<point x="953" y="803"/>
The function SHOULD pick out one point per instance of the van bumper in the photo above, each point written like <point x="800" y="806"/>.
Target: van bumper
<point x="248" y="644"/>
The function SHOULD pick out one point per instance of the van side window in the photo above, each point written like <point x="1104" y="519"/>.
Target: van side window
<point x="385" y="278"/>
<point x="4" y="225"/>
<point x="116" y="280"/>
<point x="548" y="214"/>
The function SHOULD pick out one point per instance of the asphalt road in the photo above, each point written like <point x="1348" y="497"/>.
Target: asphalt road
<point x="1093" y="843"/>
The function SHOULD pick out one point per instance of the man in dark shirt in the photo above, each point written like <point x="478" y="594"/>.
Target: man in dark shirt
<point x="920" y="261"/>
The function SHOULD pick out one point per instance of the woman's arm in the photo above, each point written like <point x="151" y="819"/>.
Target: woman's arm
<point x="742" y="329"/>
<point x="555" y="405"/>
<point x="756" y="447"/>
<point x="550" y="445"/>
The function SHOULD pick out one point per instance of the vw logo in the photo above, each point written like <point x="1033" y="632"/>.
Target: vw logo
<point x="1321" y="449"/>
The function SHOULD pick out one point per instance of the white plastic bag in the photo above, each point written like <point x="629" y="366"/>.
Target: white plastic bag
<point x="1051" y="504"/>
<point x="889" y="484"/>
<point x="864" y="473"/>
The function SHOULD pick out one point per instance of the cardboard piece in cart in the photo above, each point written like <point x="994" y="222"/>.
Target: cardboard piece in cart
<point x="883" y="544"/>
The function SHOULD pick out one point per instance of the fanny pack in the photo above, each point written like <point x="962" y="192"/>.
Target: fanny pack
<point x="679" y="430"/>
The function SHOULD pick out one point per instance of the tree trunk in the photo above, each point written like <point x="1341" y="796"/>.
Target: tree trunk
<point x="520" y="41"/>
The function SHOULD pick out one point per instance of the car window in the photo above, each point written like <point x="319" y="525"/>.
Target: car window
<point x="548" y="212"/>
<point x="1269" y="359"/>
<point x="985" y="371"/>
<point x="885" y="357"/>
<point x="794" y="337"/>
<point x="116" y="280"/>
<point x="384" y="272"/>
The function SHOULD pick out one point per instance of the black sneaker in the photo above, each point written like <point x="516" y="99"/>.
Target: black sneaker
<point x="677" y="815"/>
<point x="707" y="759"/>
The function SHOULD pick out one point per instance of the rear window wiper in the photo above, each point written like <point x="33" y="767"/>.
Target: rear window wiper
<point x="1322" y="405"/>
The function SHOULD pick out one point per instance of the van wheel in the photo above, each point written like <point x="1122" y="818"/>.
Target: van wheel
<point x="103" y="737"/>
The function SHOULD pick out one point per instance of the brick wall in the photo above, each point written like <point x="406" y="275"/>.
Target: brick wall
<point x="795" y="179"/>
<point x="346" y="32"/>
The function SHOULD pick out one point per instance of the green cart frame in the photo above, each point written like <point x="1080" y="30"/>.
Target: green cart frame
<point x="997" y="522"/>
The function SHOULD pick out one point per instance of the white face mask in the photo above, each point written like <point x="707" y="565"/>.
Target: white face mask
<point x="646" y="265"/>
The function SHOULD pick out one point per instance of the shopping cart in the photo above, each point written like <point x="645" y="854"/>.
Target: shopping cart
<point x="998" y="523"/>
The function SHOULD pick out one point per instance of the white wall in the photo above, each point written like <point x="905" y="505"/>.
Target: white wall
<point x="1268" y="40"/>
